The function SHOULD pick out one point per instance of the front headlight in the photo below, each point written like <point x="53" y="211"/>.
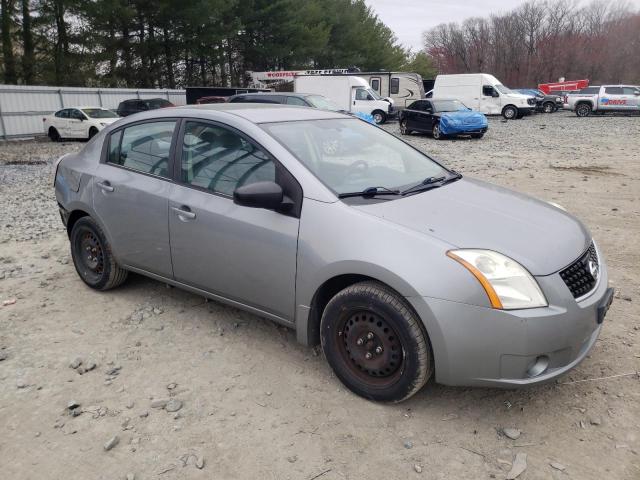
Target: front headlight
<point x="508" y="284"/>
<point x="558" y="99"/>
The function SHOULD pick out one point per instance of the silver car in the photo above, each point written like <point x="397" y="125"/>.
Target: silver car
<point x="399" y="267"/>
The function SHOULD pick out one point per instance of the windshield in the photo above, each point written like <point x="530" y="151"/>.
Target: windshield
<point x="322" y="103"/>
<point x="349" y="155"/>
<point x="374" y="94"/>
<point x="99" y="113"/>
<point x="502" y="89"/>
<point x="448" y="105"/>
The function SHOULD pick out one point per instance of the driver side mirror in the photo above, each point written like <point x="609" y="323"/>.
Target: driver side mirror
<point x="267" y="195"/>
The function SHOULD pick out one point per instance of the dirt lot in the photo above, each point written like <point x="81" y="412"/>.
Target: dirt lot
<point x="254" y="404"/>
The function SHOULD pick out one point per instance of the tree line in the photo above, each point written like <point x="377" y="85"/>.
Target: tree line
<point x="176" y="43"/>
<point x="541" y="41"/>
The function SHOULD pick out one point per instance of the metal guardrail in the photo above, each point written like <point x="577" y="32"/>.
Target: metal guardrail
<point x="20" y="105"/>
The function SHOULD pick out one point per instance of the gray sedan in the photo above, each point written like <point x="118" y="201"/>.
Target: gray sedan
<point x="399" y="267"/>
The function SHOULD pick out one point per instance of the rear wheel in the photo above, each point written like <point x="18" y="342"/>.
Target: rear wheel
<point x="403" y="127"/>
<point x="92" y="256"/>
<point x="583" y="110"/>
<point x="510" y="112"/>
<point x="379" y="117"/>
<point x="375" y="343"/>
<point x="54" y="136"/>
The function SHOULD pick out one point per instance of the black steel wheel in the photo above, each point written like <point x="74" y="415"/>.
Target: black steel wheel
<point x="92" y="256"/>
<point x="375" y="343"/>
<point x="54" y="136"/>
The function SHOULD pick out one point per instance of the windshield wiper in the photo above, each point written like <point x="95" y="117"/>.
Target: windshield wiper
<point x="370" y="192"/>
<point x="431" y="182"/>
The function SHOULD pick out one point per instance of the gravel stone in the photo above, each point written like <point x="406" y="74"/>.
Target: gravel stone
<point x="159" y="403"/>
<point x="75" y="363"/>
<point x="512" y="433"/>
<point x="113" y="441"/>
<point x="173" y="405"/>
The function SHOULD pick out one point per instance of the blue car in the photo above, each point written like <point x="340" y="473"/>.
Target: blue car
<point x="442" y="119"/>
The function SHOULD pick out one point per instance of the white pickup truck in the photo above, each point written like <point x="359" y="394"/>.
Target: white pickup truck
<point x="78" y="122"/>
<point x="607" y="98"/>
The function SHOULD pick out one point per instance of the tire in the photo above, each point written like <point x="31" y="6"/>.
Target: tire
<point x="93" y="131"/>
<point x="403" y="127"/>
<point x="548" y="107"/>
<point x="436" y="133"/>
<point x="477" y="135"/>
<point x="510" y="112"/>
<point x="379" y="117"/>
<point x="375" y="343"/>
<point x="53" y="134"/>
<point x="583" y="110"/>
<point x="98" y="269"/>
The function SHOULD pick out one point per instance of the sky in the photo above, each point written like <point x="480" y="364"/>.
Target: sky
<point x="409" y="18"/>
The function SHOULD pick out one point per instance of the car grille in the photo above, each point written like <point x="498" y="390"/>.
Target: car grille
<point x="582" y="275"/>
<point x="531" y="101"/>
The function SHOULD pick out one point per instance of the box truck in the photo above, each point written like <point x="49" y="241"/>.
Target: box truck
<point x="349" y="93"/>
<point x="484" y="93"/>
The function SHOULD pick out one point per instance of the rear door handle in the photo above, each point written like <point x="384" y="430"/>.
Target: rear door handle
<point x="106" y="186"/>
<point x="184" y="211"/>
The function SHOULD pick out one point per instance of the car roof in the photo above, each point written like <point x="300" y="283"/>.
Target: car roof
<point x="262" y="112"/>
<point x="82" y="107"/>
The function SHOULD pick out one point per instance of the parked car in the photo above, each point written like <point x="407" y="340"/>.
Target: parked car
<point x="484" y="93"/>
<point x="77" y="122"/>
<point x="606" y="99"/>
<point x="349" y="93"/>
<point x="398" y="266"/>
<point x="136" y="105"/>
<point x="287" y="98"/>
<point x="544" y="103"/>
<point x="442" y="119"/>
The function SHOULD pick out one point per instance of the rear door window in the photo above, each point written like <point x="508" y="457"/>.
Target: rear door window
<point x="220" y="160"/>
<point x="630" y="91"/>
<point x="144" y="147"/>
<point x="613" y="90"/>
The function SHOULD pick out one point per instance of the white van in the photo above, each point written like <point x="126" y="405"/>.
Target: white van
<point x="403" y="87"/>
<point x="352" y="94"/>
<point x="484" y="93"/>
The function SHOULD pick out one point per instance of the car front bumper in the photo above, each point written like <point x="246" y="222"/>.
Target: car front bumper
<point x="481" y="346"/>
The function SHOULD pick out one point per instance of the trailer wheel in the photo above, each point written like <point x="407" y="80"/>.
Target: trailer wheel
<point x="510" y="112"/>
<point x="583" y="110"/>
<point x="379" y="117"/>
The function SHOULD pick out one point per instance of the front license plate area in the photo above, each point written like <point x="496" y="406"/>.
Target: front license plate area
<point x="605" y="303"/>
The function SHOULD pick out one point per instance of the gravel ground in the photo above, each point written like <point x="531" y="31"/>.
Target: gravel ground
<point x="168" y="386"/>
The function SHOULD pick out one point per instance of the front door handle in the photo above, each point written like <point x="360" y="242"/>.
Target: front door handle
<point x="184" y="212"/>
<point x="106" y="186"/>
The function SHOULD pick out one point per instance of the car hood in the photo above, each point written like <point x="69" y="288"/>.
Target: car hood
<point x="470" y="213"/>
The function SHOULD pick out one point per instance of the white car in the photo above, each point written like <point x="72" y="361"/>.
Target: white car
<point x="77" y="122"/>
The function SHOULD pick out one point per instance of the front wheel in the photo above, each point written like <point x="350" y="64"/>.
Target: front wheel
<point x="379" y="117"/>
<point x="92" y="256"/>
<point x="583" y="110"/>
<point x="510" y="112"/>
<point x="93" y="131"/>
<point x="403" y="127"/>
<point x="477" y="135"/>
<point x="549" y="107"/>
<point x="375" y="343"/>
<point x="436" y="132"/>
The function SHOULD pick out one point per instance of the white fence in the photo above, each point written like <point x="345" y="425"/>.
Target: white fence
<point x="22" y="107"/>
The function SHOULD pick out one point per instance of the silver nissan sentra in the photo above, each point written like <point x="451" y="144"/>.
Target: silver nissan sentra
<point x="399" y="267"/>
